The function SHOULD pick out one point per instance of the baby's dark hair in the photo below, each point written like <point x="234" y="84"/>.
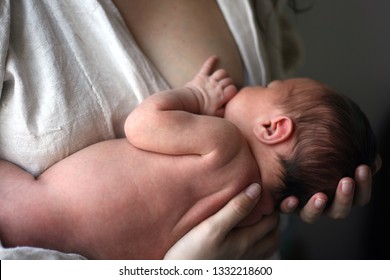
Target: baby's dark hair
<point x="332" y="137"/>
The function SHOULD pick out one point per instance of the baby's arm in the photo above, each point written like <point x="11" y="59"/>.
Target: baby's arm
<point x="178" y="121"/>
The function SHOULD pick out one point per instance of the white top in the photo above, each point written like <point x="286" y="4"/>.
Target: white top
<point x="70" y="70"/>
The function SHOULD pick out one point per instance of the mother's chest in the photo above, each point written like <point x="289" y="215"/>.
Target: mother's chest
<point x="177" y="36"/>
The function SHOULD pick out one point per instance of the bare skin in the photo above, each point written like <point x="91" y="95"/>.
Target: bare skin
<point x="178" y="36"/>
<point x="160" y="52"/>
<point x="178" y="54"/>
<point x="97" y="201"/>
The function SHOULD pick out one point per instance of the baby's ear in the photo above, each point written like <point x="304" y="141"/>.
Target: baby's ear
<point x="274" y="131"/>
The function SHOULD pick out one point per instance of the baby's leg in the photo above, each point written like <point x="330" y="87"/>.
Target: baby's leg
<point x="24" y="211"/>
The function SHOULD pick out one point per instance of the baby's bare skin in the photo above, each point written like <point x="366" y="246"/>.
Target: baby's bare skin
<point x="115" y="201"/>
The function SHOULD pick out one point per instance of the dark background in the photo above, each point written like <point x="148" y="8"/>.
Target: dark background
<point x="347" y="46"/>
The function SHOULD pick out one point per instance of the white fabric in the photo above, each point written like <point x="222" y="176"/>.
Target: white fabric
<point x="30" y="253"/>
<point x="241" y="20"/>
<point x="70" y="70"/>
<point x="269" y="52"/>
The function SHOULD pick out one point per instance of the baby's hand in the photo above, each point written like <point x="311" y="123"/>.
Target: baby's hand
<point x="213" y="89"/>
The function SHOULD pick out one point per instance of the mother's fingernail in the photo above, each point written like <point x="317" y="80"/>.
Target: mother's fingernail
<point x="346" y="187"/>
<point x="319" y="202"/>
<point x="363" y="173"/>
<point x="292" y="204"/>
<point x="253" y="191"/>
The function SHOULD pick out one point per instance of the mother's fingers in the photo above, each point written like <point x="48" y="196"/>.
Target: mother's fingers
<point x="257" y="240"/>
<point x="236" y="209"/>
<point x="363" y="179"/>
<point x="342" y="203"/>
<point x="314" y="208"/>
<point x="289" y="204"/>
<point x="265" y="247"/>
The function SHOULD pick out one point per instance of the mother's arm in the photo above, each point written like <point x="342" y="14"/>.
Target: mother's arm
<point x="217" y="238"/>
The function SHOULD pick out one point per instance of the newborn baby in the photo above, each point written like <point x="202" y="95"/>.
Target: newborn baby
<point x="188" y="152"/>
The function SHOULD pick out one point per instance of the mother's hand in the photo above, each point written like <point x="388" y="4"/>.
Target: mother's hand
<point x="217" y="238"/>
<point x="347" y="194"/>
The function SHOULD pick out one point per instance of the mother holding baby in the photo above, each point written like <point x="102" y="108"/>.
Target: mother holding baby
<point x="71" y="71"/>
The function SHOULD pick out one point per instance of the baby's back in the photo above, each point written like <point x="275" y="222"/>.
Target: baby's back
<point x="127" y="203"/>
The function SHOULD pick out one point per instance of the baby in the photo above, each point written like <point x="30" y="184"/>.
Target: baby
<point x="189" y="151"/>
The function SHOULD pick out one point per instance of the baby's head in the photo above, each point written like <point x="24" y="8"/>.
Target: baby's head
<point x="332" y="136"/>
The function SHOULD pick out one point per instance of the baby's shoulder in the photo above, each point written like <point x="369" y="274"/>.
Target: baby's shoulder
<point x="231" y="148"/>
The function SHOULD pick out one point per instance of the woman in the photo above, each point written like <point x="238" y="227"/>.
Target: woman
<point x="71" y="71"/>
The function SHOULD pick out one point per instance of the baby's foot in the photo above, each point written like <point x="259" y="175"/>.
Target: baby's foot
<point x="212" y="88"/>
